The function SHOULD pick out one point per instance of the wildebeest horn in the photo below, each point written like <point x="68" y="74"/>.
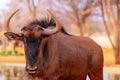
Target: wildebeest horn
<point x="6" y="24"/>
<point x="54" y="30"/>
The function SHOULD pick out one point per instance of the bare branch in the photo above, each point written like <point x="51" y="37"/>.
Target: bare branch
<point x="89" y="10"/>
<point x="32" y="8"/>
<point x="118" y="9"/>
<point x="106" y="26"/>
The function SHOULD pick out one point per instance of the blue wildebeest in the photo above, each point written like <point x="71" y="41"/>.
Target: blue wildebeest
<point x="52" y="54"/>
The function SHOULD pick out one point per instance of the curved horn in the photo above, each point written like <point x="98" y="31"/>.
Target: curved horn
<point x="7" y="21"/>
<point x="54" y="30"/>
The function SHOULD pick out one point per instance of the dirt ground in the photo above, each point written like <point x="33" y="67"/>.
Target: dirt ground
<point x="108" y="58"/>
<point x="13" y="59"/>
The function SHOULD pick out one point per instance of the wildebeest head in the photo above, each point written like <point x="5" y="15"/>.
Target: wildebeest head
<point x="31" y="35"/>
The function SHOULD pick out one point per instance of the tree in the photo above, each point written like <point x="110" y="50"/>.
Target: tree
<point x="111" y="16"/>
<point x="75" y="12"/>
<point x="12" y="27"/>
<point x="32" y="8"/>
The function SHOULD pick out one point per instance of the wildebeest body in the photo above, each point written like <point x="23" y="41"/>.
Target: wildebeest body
<point x="71" y="56"/>
<point x="52" y="54"/>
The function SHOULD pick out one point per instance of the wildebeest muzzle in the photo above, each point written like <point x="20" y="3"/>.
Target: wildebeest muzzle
<point x="31" y="57"/>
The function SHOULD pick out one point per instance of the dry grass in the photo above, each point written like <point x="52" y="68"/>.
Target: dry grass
<point x="108" y="57"/>
<point x="18" y="59"/>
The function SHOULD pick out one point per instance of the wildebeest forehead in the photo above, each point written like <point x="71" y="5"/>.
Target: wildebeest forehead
<point x="32" y="28"/>
<point x="31" y="31"/>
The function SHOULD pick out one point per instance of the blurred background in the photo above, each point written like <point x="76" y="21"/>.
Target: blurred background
<point x="98" y="19"/>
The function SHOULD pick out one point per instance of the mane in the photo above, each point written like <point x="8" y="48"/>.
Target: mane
<point x="46" y="22"/>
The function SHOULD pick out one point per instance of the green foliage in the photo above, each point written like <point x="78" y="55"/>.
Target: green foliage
<point x="3" y="53"/>
<point x="9" y="53"/>
<point x="21" y="54"/>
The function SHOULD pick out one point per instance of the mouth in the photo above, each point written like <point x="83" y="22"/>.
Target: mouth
<point x="32" y="71"/>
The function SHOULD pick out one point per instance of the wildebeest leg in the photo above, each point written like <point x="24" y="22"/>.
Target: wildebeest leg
<point x="96" y="74"/>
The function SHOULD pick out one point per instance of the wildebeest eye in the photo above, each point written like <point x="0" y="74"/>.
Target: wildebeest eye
<point x="40" y="29"/>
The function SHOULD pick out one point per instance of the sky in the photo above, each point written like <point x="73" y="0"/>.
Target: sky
<point x="3" y="4"/>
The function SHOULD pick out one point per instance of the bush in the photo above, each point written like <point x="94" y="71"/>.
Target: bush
<point x="9" y="53"/>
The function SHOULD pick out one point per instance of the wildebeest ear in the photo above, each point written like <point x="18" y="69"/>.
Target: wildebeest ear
<point x="13" y="36"/>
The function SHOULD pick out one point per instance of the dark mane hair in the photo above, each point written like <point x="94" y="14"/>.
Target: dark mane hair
<point x="46" y="22"/>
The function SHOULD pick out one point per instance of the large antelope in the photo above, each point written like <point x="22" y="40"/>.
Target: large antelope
<point x="52" y="54"/>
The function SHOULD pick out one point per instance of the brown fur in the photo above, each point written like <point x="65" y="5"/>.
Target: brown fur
<point x="61" y="56"/>
<point x="55" y="55"/>
<point x="71" y="57"/>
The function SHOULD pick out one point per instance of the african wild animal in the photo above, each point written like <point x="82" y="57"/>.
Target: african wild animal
<point x="52" y="54"/>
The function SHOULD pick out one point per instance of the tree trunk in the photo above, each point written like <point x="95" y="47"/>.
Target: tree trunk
<point x="117" y="41"/>
<point x="115" y="24"/>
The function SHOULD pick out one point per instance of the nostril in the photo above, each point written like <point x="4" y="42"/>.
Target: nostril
<point x="31" y="67"/>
